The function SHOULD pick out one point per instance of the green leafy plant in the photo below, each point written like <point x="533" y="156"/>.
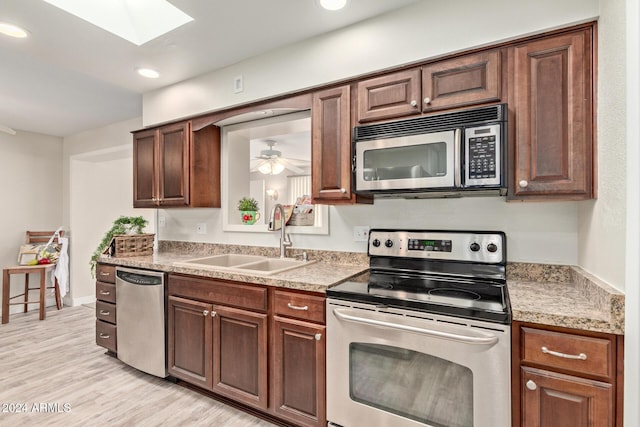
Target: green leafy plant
<point x="248" y="204"/>
<point x="122" y="225"/>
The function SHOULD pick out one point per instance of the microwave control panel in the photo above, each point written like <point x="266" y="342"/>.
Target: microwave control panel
<point x="483" y="147"/>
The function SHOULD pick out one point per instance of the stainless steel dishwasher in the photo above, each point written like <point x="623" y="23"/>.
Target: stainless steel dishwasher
<point x="140" y="310"/>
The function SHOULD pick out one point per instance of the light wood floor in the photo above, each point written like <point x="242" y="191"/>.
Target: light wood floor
<point x="54" y="371"/>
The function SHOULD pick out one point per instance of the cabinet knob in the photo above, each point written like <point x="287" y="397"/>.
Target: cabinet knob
<point x="427" y="100"/>
<point x="318" y="337"/>
<point x="343" y="190"/>
<point x="213" y="313"/>
<point x="523" y="183"/>
<point x="205" y="313"/>
<point x="414" y="103"/>
<point x="531" y="385"/>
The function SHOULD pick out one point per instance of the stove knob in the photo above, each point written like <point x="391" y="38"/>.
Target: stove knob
<point x="474" y="247"/>
<point x="492" y="247"/>
<point x="376" y="242"/>
<point x="388" y="243"/>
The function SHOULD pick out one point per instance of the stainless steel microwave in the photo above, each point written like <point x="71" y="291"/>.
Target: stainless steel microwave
<point x="456" y="153"/>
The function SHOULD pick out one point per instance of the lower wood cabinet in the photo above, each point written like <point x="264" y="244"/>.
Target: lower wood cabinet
<point x="106" y="322"/>
<point x="298" y="375"/>
<point x="263" y="348"/>
<point x="565" y="377"/>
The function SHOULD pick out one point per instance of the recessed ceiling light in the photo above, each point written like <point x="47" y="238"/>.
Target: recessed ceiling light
<point x="148" y="73"/>
<point x="136" y="21"/>
<point x="12" y="30"/>
<point x="333" y="4"/>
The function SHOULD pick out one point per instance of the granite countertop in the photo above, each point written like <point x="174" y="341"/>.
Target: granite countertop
<point x="566" y="296"/>
<point x="330" y="268"/>
<point x="555" y="295"/>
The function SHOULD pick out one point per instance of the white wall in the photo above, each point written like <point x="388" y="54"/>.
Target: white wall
<point x="632" y="289"/>
<point x="31" y="188"/>
<point x="100" y="189"/>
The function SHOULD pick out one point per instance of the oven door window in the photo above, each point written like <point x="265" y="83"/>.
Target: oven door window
<point x="410" y="384"/>
<point x="416" y="161"/>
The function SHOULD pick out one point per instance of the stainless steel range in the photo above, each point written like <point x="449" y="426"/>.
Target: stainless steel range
<point x="425" y="341"/>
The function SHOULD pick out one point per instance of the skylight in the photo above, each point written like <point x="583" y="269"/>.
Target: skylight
<point x="136" y="21"/>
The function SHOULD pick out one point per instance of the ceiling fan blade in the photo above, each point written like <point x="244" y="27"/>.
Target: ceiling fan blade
<point x="7" y="129"/>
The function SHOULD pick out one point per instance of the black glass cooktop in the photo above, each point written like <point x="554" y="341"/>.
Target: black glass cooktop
<point x="460" y="297"/>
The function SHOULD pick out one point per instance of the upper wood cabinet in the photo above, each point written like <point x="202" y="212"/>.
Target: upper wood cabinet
<point x="173" y="166"/>
<point x="331" y="146"/>
<point x="552" y="103"/>
<point x="461" y="81"/>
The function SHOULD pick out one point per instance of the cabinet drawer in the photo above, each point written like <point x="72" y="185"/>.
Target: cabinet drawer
<point x="219" y="292"/>
<point x="577" y="353"/>
<point x="106" y="292"/>
<point x="301" y="306"/>
<point x="106" y="273"/>
<point x="106" y="335"/>
<point x="106" y="311"/>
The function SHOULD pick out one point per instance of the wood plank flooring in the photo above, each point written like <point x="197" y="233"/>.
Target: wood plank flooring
<point x="52" y="373"/>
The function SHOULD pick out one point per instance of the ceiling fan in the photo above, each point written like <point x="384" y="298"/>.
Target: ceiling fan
<point x="271" y="162"/>
<point x="7" y="129"/>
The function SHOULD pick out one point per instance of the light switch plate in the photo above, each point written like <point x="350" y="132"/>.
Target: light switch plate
<point x="361" y="233"/>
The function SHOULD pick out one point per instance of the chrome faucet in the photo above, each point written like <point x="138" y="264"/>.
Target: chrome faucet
<point x="285" y="240"/>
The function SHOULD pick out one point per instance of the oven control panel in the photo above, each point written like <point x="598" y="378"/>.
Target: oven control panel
<point x="475" y="246"/>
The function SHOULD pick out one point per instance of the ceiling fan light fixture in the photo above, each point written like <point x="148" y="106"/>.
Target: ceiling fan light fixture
<point x="333" y="4"/>
<point x="272" y="167"/>
<point x="13" y="30"/>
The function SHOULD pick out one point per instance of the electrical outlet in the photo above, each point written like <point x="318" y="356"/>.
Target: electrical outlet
<point x="361" y="233"/>
<point x="201" y="228"/>
<point x="162" y="221"/>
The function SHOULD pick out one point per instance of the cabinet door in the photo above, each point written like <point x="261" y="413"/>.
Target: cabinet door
<point x="331" y="146"/>
<point x="240" y="355"/>
<point x="467" y="80"/>
<point x="145" y="190"/>
<point x="556" y="400"/>
<point x="173" y="141"/>
<point x="190" y="341"/>
<point x="298" y="376"/>
<point x="552" y="99"/>
<point x="392" y="95"/>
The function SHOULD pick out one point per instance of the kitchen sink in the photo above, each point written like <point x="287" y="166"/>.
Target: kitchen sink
<point x="245" y="263"/>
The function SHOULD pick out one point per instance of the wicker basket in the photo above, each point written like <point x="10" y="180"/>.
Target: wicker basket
<point x="128" y="245"/>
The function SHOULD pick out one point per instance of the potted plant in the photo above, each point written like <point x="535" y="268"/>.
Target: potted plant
<point x="122" y="225"/>
<point x="248" y="207"/>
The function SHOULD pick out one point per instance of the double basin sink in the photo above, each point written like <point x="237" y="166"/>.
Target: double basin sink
<point x="239" y="263"/>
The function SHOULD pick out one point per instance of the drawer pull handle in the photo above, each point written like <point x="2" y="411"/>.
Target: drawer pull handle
<point x="105" y="292"/>
<point x="580" y="356"/>
<point x="297" y="307"/>
<point x="105" y="336"/>
<point x="104" y="313"/>
<point x="102" y="273"/>
<point x="531" y="385"/>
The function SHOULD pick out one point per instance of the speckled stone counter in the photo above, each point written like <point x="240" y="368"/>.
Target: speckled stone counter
<point x="565" y="296"/>
<point x="554" y="295"/>
<point x="331" y="268"/>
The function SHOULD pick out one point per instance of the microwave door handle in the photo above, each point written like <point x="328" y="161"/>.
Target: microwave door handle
<point x="465" y="339"/>
<point x="457" y="145"/>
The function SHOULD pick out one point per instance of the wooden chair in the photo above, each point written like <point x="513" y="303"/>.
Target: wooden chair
<point x="42" y="269"/>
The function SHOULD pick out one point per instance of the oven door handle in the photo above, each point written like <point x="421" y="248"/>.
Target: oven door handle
<point x="487" y="339"/>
